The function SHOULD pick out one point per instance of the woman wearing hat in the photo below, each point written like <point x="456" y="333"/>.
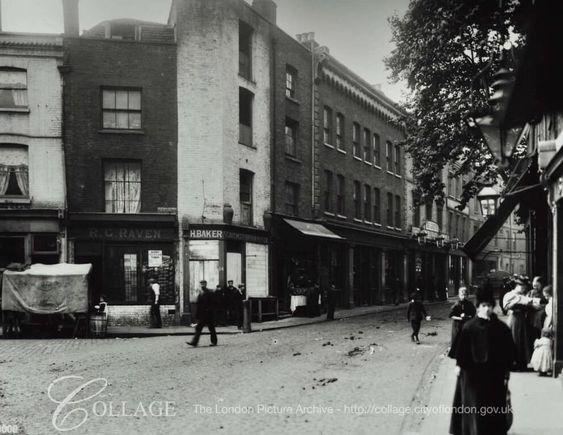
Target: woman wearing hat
<point x="484" y="352"/>
<point x="517" y="304"/>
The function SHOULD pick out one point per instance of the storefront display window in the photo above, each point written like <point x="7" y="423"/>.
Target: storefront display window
<point x="204" y="264"/>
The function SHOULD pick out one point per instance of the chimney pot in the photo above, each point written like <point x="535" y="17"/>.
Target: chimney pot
<point x="70" y="17"/>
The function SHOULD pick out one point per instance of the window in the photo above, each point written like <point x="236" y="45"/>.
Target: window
<point x="460" y="182"/>
<point x="457" y="226"/>
<point x="340" y="196"/>
<point x="357" y="200"/>
<point x="291" y="135"/>
<point x="14" y="177"/>
<point x="507" y="240"/>
<point x="376" y="206"/>
<point x="122" y="179"/>
<point x="416" y="210"/>
<point x="451" y="191"/>
<point x="245" y="50"/>
<point x="246" y="179"/>
<point x="429" y="211"/>
<point x="13" y="88"/>
<point x="290" y="81"/>
<point x="450" y="225"/>
<point x="376" y="151"/>
<point x="340" y="131"/>
<point x="124" y="31"/>
<point x="291" y="198"/>
<point x="389" y="210"/>
<point x="462" y="230"/>
<point x="356" y="139"/>
<point x="367" y="145"/>
<point x="389" y="156"/>
<point x="245" y="116"/>
<point x="397" y="160"/>
<point x="514" y="242"/>
<point x="398" y="211"/>
<point x="121" y="108"/>
<point x="328" y="191"/>
<point x="440" y="216"/>
<point x="367" y="202"/>
<point x="327" y="125"/>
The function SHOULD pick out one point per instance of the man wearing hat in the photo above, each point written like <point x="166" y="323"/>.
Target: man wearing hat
<point x="484" y="353"/>
<point x="156" y="321"/>
<point x="205" y="314"/>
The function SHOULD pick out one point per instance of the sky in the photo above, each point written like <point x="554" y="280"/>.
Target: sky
<point x="356" y="31"/>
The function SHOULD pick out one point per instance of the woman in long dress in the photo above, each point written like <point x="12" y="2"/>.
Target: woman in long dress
<point x="517" y="304"/>
<point x="484" y="353"/>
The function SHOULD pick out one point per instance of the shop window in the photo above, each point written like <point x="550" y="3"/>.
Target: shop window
<point x="398" y="211"/>
<point x="389" y="156"/>
<point x="367" y="145"/>
<point x="367" y="202"/>
<point x="13" y="88"/>
<point x="122" y="181"/>
<point x="340" y="196"/>
<point x="256" y="270"/>
<point x="204" y="265"/>
<point x="389" y="209"/>
<point x="14" y="176"/>
<point x="246" y="179"/>
<point x="397" y="160"/>
<point x="357" y="200"/>
<point x="290" y="81"/>
<point x="340" y="131"/>
<point x="45" y="249"/>
<point x="121" y="108"/>
<point x="246" y="99"/>
<point x="327" y="125"/>
<point x="375" y="144"/>
<point x="245" y="50"/>
<point x="12" y="250"/>
<point x="291" y="135"/>
<point x="292" y="198"/>
<point x="376" y="206"/>
<point x="356" y="139"/>
<point x="328" y="191"/>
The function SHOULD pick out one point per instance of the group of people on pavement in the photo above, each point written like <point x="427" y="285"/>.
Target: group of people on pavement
<point x="487" y="349"/>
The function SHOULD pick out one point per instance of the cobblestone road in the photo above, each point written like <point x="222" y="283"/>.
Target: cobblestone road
<point x="323" y="379"/>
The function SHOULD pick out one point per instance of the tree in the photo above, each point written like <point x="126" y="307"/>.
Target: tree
<point x="444" y="50"/>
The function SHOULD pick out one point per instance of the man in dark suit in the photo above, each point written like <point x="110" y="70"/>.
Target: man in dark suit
<point x="205" y="315"/>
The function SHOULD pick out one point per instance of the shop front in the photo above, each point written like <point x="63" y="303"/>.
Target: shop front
<point x="219" y="253"/>
<point x="125" y="252"/>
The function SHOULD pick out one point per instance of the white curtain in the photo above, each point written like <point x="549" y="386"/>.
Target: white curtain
<point x="123" y="187"/>
<point x="4" y="178"/>
<point x="23" y="180"/>
<point x="134" y="185"/>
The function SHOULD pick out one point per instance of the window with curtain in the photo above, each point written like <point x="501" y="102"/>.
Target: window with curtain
<point x="121" y="108"/>
<point x="13" y="88"/>
<point x="122" y="181"/>
<point x="14" y="176"/>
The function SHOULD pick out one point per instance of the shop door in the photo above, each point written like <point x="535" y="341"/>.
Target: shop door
<point x="234" y="267"/>
<point x="123" y="275"/>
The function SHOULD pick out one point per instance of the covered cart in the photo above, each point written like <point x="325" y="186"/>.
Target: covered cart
<point x="45" y="290"/>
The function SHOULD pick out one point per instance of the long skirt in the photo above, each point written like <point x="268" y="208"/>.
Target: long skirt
<point x="479" y="406"/>
<point x="522" y="337"/>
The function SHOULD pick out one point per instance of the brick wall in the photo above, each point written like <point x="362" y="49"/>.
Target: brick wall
<point x="152" y="67"/>
<point x="137" y="315"/>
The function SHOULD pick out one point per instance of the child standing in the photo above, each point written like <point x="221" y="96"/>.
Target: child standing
<point x="542" y="358"/>
<point x="415" y="314"/>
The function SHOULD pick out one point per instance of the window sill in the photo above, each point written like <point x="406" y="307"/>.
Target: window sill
<point x="293" y="159"/>
<point x="398" y="176"/>
<point x="390" y="228"/>
<point x="14" y="200"/>
<point x="340" y="216"/>
<point x="253" y="147"/>
<point x="368" y="163"/>
<point x="293" y="100"/>
<point x="368" y="222"/>
<point x="390" y="173"/>
<point x="120" y="131"/>
<point x="328" y="145"/>
<point x="341" y="151"/>
<point x="377" y="166"/>
<point x="375" y="224"/>
<point x="358" y="158"/>
<point x="247" y="79"/>
<point x="358" y="220"/>
<point x="328" y="213"/>
<point x="15" y="109"/>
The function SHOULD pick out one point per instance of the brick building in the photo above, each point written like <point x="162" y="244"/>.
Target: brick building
<point x="32" y="183"/>
<point x="120" y="141"/>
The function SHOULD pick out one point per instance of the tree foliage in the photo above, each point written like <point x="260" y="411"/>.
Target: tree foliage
<point x="443" y="49"/>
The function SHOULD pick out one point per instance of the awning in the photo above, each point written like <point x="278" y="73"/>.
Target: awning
<point x="312" y="229"/>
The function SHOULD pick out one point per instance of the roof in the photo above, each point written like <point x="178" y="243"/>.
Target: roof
<point x="148" y="31"/>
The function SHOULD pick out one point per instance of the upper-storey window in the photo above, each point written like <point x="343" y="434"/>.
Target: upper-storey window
<point x="246" y="99"/>
<point x="367" y="145"/>
<point x="397" y="160"/>
<point x="246" y="180"/>
<point x="13" y="88"/>
<point x="14" y="178"/>
<point x="376" y="150"/>
<point x="121" y="108"/>
<point x="340" y="131"/>
<point x="290" y="81"/>
<point x="327" y="125"/>
<point x="356" y="139"/>
<point x="389" y="156"/>
<point x="291" y="137"/>
<point x="245" y="50"/>
<point x="122" y="179"/>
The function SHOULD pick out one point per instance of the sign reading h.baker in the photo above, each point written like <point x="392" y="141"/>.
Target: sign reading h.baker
<point x="221" y="234"/>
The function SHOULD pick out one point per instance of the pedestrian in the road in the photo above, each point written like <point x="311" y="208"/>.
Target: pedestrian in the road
<point x="205" y="315"/>
<point x="484" y="354"/>
<point x="517" y="303"/>
<point x="542" y="358"/>
<point x="415" y="313"/>
<point x="462" y="311"/>
<point x="154" y="287"/>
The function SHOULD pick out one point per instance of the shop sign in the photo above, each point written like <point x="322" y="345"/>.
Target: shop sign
<point x="123" y="234"/>
<point x="431" y="228"/>
<point x="220" y="234"/>
<point x="155" y="258"/>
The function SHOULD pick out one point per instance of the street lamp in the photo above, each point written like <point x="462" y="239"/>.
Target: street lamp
<point x="488" y="198"/>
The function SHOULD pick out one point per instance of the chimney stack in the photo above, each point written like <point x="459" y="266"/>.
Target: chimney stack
<point x="266" y="8"/>
<point x="70" y="16"/>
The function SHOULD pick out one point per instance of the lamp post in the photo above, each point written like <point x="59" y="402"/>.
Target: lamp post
<point x="488" y="200"/>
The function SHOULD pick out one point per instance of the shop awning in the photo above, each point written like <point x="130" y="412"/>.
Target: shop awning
<point x="312" y="229"/>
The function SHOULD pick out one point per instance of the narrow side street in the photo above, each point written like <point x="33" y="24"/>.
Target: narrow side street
<point x="324" y="378"/>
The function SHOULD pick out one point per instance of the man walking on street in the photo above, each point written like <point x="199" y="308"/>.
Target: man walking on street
<point x="205" y="315"/>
